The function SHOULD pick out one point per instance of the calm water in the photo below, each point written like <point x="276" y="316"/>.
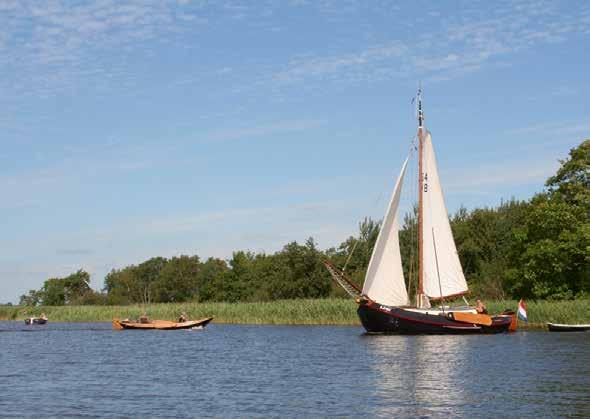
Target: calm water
<point x="271" y="371"/>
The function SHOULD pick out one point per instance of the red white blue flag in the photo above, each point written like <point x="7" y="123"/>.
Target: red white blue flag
<point x="522" y="310"/>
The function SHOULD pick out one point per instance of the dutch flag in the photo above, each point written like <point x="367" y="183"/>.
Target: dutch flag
<point x="522" y="310"/>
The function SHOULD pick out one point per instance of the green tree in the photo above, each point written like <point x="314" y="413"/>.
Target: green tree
<point x="572" y="180"/>
<point x="122" y="287"/>
<point x="178" y="280"/>
<point x="53" y="292"/>
<point x="146" y="274"/>
<point x="305" y="276"/>
<point x="551" y="251"/>
<point x="32" y="299"/>
<point x="211" y="271"/>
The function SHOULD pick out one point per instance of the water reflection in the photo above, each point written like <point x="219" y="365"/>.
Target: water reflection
<point x="279" y="371"/>
<point x="417" y="375"/>
<point x="524" y="374"/>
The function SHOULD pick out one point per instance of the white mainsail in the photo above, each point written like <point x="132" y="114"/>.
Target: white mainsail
<point x="440" y="253"/>
<point x="384" y="281"/>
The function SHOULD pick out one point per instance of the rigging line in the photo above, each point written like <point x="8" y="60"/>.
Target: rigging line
<point x="350" y="254"/>
<point x="442" y="299"/>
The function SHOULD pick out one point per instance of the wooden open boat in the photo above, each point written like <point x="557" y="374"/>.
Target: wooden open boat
<point x="556" y="327"/>
<point x="161" y="324"/>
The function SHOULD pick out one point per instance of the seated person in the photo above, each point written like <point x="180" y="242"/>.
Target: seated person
<point x="43" y="316"/>
<point x="480" y="307"/>
<point x="144" y="318"/>
<point x="183" y="318"/>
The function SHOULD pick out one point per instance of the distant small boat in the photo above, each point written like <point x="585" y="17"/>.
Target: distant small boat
<point x="35" y="320"/>
<point x="161" y="324"/>
<point x="555" y="327"/>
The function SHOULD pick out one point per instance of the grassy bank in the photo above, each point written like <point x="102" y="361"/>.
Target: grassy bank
<point x="325" y="311"/>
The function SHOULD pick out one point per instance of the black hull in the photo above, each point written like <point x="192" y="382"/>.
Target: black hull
<point x="377" y="318"/>
<point x="35" y="321"/>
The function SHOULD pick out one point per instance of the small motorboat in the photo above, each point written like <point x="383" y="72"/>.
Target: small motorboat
<point x="161" y="324"/>
<point x="556" y="327"/>
<point x="35" y="320"/>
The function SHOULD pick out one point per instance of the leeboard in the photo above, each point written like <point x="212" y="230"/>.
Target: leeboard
<point x="482" y="319"/>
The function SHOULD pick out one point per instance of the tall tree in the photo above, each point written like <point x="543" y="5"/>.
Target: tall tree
<point x="178" y="280"/>
<point x="551" y="250"/>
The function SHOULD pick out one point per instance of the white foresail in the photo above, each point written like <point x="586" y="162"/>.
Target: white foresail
<point x="384" y="281"/>
<point x="440" y="253"/>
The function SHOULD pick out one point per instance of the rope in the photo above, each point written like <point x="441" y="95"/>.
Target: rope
<point x="350" y="255"/>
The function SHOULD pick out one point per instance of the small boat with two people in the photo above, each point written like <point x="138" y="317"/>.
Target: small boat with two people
<point x="556" y="327"/>
<point x="384" y="302"/>
<point x="42" y="319"/>
<point x="144" y="323"/>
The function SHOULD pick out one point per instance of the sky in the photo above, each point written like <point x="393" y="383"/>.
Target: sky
<point x="132" y="129"/>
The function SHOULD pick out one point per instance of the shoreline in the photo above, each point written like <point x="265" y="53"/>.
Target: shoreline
<point x="329" y="312"/>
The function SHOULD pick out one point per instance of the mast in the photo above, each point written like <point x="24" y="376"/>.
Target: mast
<point x="420" y="201"/>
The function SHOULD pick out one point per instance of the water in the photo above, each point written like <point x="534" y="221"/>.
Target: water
<point x="284" y="371"/>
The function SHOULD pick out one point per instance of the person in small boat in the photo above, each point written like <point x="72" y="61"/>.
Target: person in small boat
<point x="43" y="316"/>
<point x="183" y="318"/>
<point x="480" y="307"/>
<point x="144" y="318"/>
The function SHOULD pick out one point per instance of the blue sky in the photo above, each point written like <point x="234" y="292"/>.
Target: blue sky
<point x="131" y="129"/>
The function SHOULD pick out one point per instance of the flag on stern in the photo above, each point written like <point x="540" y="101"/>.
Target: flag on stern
<point x="522" y="310"/>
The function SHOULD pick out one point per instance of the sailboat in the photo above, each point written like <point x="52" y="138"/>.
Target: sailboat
<point x="383" y="302"/>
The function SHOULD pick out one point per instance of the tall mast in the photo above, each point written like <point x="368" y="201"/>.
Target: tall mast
<point x="420" y="200"/>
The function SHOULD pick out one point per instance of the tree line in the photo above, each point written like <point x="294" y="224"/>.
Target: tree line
<point x="538" y="248"/>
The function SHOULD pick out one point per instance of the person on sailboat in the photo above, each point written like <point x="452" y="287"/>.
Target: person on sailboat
<point x="480" y="307"/>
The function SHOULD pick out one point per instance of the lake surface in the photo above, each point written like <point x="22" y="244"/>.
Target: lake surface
<point x="287" y="371"/>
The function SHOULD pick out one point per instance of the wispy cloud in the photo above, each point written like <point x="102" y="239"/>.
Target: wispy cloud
<point x="459" y="45"/>
<point x="55" y="43"/>
<point x="352" y="64"/>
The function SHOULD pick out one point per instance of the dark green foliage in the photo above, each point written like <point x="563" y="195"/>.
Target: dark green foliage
<point x="178" y="279"/>
<point x="73" y="289"/>
<point x="550" y="253"/>
<point x="483" y="238"/>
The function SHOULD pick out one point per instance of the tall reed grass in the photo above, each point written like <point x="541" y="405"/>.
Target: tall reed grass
<point x="306" y="312"/>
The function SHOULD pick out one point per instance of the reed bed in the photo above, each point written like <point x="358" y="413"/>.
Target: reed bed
<point x="289" y="312"/>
